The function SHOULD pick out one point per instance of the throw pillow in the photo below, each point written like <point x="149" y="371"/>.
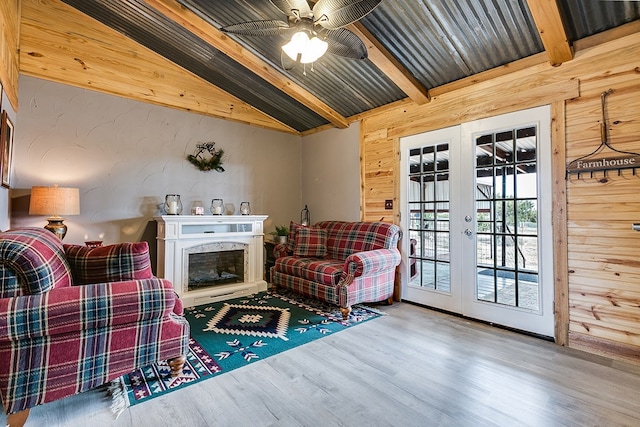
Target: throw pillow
<point x="32" y="262"/>
<point x="112" y="263"/>
<point x="311" y="242"/>
<point x="291" y="239"/>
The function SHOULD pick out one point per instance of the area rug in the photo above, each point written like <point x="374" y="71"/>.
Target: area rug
<point x="227" y="335"/>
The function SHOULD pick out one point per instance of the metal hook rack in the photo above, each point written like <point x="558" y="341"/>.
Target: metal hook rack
<point x="581" y="165"/>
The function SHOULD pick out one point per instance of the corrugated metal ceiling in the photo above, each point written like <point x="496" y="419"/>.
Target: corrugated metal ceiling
<point x="148" y="27"/>
<point x="586" y="18"/>
<point x="438" y="42"/>
<point x="443" y="41"/>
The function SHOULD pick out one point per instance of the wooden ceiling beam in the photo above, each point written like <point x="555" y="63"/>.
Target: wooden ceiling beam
<point x="551" y="29"/>
<point x="221" y="41"/>
<point x="390" y="66"/>
<point x="61" y="44"/>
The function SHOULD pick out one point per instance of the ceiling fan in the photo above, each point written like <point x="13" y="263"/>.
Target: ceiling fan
<point x="315" y="30"/>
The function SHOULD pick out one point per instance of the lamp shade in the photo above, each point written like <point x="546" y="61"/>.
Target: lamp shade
<point x="54" y="201"/>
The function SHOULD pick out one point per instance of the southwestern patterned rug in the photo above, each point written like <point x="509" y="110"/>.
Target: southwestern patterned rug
<point x="230" y="334"/>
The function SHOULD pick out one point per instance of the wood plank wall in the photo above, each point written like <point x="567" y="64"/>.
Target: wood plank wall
<point x="604" y="253"/>
<point x="9" y="41"/>
<point x="598" y="263"/>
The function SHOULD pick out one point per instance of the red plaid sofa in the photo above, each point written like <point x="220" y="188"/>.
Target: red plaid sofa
<point x="73" y="318"/>
<point x="342" y="263"/>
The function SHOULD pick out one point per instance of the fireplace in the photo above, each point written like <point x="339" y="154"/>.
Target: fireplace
<point x="215" y="264"/>
<point x="211" y="258"/>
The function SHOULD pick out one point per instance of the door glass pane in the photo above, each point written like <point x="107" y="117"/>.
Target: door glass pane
<point x="484" y="150"/>
<point x="428" y="246"/>
<point x="528" y="295"/>
<point x="414" y="216"/>
<point x="429" y="217"/>
<point x="527" y="217"/>
<point x="428" y="159"/>
<point x="506" y="292"/>
<point x="526" y="144"/>
<point x="485" y="285"/>
<point x="525" y="185"/>
<point x="528" y="260"/>
<point x="428" y="189"/>
<point x="414" y="162"/>
<point x="443" y="216"/>
<point x="503" y="184"/>
<point x="506" y="218"/>
<point x="443" y="277"/>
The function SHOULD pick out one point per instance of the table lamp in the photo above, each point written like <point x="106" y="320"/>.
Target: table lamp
<point x="55" y="201"/>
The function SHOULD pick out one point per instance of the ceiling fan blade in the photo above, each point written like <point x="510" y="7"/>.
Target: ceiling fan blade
<point x="258" y="28"/>
<point x="333" y="14"/>
<point x="298" y="8"/>
<point x="343" y="42"/>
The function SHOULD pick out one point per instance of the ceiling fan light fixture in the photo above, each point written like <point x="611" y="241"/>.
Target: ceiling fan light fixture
<point x="296" y="45"/>
<point x="315" y="49"/>
<point x="301" y="48"/>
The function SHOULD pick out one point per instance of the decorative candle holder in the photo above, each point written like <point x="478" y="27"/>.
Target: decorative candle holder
<point x="217" y="206"/>
<point x="197" y="208"/>
<point x="172" y="204"/>
<point x="245" y="208"/>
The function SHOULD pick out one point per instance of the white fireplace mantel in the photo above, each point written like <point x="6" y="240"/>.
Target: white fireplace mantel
<point x="181" y="235"/>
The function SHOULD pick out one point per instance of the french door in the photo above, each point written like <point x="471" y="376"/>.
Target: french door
<point x="476" y="210"/>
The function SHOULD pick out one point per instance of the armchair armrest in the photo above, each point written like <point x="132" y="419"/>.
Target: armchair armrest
<point x="85" y="307"/>
<point x="280" y="250"/>
<point x="369" y="262"/>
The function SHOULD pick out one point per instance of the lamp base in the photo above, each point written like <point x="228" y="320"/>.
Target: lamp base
<point x="57" y="227"/>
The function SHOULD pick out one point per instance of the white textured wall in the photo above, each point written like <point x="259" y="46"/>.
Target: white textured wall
<point x="126" y="155"/>
<point x="331" y="174"/>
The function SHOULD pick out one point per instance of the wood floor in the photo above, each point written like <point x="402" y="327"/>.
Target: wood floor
<point x="414" y="367"/>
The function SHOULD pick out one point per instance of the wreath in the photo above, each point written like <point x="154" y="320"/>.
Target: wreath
<point x="207" y="163"/>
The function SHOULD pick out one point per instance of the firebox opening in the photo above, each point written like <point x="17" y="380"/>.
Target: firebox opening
<point x="215" y="268"/>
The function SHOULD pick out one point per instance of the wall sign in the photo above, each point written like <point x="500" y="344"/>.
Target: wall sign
<point x="590" y="164"/>
<point x="607" y="163"/>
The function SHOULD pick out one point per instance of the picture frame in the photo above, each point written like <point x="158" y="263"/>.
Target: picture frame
<point x="6" y="145"/>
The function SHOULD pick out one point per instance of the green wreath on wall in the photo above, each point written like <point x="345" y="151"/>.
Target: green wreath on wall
<point x="213" y="162"/>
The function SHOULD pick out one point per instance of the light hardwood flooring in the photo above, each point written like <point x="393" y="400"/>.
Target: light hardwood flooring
<point x="413" y="367"/>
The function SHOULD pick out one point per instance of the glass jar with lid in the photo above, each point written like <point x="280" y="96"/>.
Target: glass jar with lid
<point x="172" y="204"/>
<point x="217" y="206"/>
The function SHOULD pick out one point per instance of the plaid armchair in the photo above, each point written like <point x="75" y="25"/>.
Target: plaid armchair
<point x="342" y="263"/>
<point x="73" y="318"/>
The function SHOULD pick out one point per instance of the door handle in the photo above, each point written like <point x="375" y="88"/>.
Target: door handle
<point x="468" y="232"/>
